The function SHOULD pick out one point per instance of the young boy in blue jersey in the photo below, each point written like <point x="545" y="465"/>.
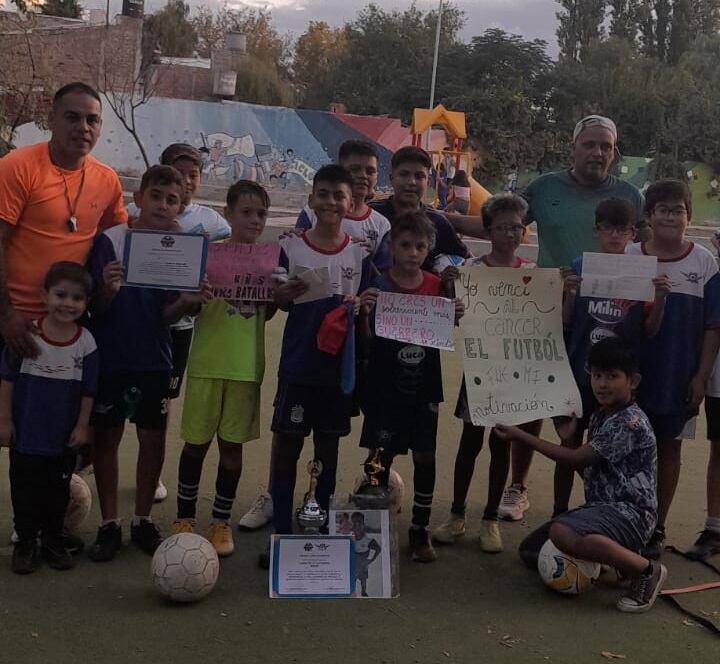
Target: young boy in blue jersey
<point x="619" y="466"/>
<point x="678" y="361"/>
<point x="402" y="387"/>
<point x="309" y="395"/>
<point x="587" y="320"/>
<point x="45" y="405"/>
<point x="131" y="326"/>
<point x="192" y="218"/>
<point x="225" y="372"/>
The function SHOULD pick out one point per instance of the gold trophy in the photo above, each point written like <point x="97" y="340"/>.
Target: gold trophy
<point x="310" y="516"/>
<point x="371" y="494"/>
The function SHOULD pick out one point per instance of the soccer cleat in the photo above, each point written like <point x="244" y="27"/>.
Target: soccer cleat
<point x="655" y="545"/>
<point x="490" y="538"/>
<point x="107" y="543"/>
<point x="161" y="492"/>
<point x="146" y="535"/>
<point x="514" y="503"/>
<point x="183" y="526"/>
<point x="421" y="549"/>
<point x="55" y="554"/>
<point x="643" y="591"/>
<point x="25" y="557"/>
<point x="708" y="544"/>
<point x="219" y="534"/>
<point x="449" y="531"/>
<point x="259" y="514"/>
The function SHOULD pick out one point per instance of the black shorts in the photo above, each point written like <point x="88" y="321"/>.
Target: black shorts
<point x="398" y="428"/>
<point x="141" y="397"/>
<point x="667" y="427"/>
<point x="181" y="340"/>
<point x="712" y="414"/>
<point x="300" y="409"/>
<point x="602" y="520"/>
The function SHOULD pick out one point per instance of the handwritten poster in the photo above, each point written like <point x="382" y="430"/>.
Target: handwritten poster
<point x="423" y="320"/>
<point x="242" y="272"/>
<point x="516" y="367"/>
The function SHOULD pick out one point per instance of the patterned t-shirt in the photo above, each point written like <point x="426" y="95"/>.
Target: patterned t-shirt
<point x="625" y="477"/>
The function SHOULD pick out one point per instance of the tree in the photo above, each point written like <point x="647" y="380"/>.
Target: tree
<point x="316" y="52"/>
<point x="170" y="31"/>
<point x="579" y="23"/>
<point x="624" y="19"/>
<point x="65" y="8"/>
<point x="260" y="82"/>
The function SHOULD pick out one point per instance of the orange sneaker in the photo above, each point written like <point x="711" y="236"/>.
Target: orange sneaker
<point x="220" y="536"/>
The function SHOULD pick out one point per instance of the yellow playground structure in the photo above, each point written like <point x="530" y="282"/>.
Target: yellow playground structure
<point x="449" y="157"/>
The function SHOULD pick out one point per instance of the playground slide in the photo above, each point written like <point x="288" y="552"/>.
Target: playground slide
<point x="478" y="196"/>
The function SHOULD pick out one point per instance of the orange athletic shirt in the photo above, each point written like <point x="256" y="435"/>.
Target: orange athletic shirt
<point x="33" y="200"/>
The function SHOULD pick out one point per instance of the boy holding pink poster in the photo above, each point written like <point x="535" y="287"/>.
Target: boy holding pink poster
<point x="227" y="363"/>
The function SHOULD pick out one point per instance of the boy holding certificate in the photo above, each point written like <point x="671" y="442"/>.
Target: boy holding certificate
<point x="403" y="383"/>
<point x="225" y="372"/>
<point x="131" y="327"/>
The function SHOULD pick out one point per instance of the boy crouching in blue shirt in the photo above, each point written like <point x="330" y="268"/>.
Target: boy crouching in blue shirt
<point x="619" y="464"/>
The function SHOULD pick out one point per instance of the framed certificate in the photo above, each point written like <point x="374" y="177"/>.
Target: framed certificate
<point x="311" y="566"/>
<point x="171" y="261"/>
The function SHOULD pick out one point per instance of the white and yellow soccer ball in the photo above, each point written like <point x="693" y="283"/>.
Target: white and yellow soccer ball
<point x="565" y="574"/>
<point x="185" y="567"/>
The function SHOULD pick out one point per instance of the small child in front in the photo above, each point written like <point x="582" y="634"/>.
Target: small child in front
<point x="131" y="325"/>
<point x="402" y="386"/>
<point x="310" y="397"/>
<point x="619" y="465"/>
<point x="45" y="405"/>
<point x="225" y="372"/>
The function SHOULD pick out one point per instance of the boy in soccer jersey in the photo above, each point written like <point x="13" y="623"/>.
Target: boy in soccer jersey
<point x="619" y="466"/>
<point x="402" y="386"/>
<point x="309" y="395"/>
<point x="587" y="320"/>
<point x="225" y="372"/>
<point x="678" y="361"/>
<point x="45" y="405"/>
<point x="131" y="326"/>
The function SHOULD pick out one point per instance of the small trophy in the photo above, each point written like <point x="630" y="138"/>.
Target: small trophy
<point x="310" y="516"/>
<point x="371" y="494"/>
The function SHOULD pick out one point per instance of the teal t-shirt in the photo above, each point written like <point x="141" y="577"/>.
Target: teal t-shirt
<point x="564" y="211"/>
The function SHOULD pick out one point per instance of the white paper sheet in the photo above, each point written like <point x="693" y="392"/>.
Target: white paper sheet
<point x="620" y="276"/>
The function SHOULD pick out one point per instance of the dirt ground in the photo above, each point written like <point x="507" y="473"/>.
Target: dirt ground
<point x="466" y="607"/>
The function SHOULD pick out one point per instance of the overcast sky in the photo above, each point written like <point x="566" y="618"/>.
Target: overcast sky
<point x="530" y="18"/>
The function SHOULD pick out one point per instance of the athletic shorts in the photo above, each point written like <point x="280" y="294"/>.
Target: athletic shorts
<point x="300" y="409"/>
<point x="141" y="397"/>
<point x="712" y="414"/>
<point x="602" y="520"/>
<point x="667" y="427"/>
<point x="228" y="408"/>
<point x="181" y="340"/>
<point x="398" y="428"/>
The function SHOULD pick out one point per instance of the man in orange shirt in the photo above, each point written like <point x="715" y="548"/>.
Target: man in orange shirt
<point x="53" y="198"/>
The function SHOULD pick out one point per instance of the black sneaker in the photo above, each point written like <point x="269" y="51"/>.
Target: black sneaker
<point x="655" y="545"/>
<point x="72" y="543"/>
<point x="55" y="554"/>
<point x="421" y="549"/>
<point x="146" y="535"/>
<point x="25" y="557"/>
<point x="107" y="543"/>
<point x="708" y="544"/>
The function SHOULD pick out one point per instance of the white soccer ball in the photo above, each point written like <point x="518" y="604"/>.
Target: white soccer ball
<point x="185" y="567"/>
<point x="565" y="574"/>
<point x="79" y="504"/>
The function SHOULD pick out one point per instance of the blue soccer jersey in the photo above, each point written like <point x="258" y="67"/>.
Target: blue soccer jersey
<point x="669" y="360"/>
<point x="301" y="362"/>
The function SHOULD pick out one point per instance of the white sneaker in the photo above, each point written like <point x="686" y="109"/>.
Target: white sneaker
<point x="14" y="539"/>
<point x="514" y="503"/>
<point x="259" y="514"/>
<point x="160" y="492"/>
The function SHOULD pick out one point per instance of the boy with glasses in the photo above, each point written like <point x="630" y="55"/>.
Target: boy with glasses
<point x="678" y="361"/>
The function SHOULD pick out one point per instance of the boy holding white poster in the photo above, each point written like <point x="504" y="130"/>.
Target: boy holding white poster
<point x="588" y="320"/>
<point x="403" y="382"/>
<point x="503" y="217"/>
<point x="225" y="372"/>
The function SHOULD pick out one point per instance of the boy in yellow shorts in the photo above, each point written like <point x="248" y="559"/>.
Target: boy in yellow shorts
<point x="225" y="372"/>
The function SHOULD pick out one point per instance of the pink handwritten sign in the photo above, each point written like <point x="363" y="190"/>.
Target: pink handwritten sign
<point x="424" y="320"/>
<point x="242" y="272"/>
